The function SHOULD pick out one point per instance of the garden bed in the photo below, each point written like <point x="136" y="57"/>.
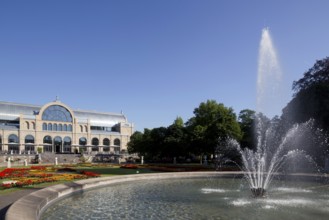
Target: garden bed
<point x="23" y="177"/>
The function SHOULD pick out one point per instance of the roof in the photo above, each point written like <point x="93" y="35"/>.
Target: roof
<point x="12" y="111"/>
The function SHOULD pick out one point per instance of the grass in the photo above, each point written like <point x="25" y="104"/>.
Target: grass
<point x="105" y="170"/>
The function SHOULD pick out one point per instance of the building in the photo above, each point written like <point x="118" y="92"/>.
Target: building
<point x="55" y="127"/>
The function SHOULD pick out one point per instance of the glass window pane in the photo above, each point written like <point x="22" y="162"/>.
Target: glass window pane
<point x="57" y="113"/>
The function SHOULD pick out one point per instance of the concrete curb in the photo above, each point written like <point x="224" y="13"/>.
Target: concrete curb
<point x="30" y="207"/>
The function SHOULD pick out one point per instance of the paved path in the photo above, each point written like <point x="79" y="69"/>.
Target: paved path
<point x="7" y="199"/>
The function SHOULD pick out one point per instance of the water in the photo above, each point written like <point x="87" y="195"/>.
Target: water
<point x="272" y="154"/>
<point x="274" y="146"/>
<point x="269" y="78"/>
<point x="220" y="198"/>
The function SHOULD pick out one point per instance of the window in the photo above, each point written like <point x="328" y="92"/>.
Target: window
<point x="86" y="128"/>
<point x="58" y="140"/>
<point x="67" y="144"/>
<point x="44" y="126"/>
<point x="13" y="139"/>
<point x="47" y="140"/>
<point x="55" y="127"/>
<point x="65" y="128"/>
<point x="29" y="143"/>
<point x="29" y="139"/>
<point x="69" y="128"/>
<point x="27" y="125"/>
<point x="106" y="142"/>
<point x="117" y="142"/>
<point x="13" y="143"/>
<point x="81" y="128"/>
<point x="50" y="127"/>
<point x="57" y="113"/>
<point x="33" y="125"/>
<point x="60" y="127"/>
<point x="83" y="141"/>
<point x="95" y="142"/>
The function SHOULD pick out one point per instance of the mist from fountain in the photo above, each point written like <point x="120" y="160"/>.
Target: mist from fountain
<point x="271" y="154"/>
<point x="273" y="147"/>
<point x="269" y="77"/>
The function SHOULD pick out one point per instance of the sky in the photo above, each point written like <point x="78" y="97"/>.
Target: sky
<point x="154" y="60"/>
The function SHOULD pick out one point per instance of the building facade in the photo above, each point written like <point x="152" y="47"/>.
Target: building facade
<point x="56" y="128"/>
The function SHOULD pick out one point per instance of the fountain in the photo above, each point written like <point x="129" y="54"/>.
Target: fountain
<point x="200" y="195"/>
<point x="272" y="149"/>
<point x="261" y="165"/>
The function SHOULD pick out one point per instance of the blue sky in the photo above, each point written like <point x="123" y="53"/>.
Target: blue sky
<point x="152" y="59"/>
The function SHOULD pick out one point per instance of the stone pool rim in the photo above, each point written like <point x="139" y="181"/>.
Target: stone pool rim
<point x="31" y="207"/>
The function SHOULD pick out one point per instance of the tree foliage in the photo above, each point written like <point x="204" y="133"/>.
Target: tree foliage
<point x="311" y="98"/>
<point x="198" y="136"/>
<point x="247" y="125"/>
<point x="212" y="121"/>
<point x="311" y="101"/>
<point x="317" y="75"/>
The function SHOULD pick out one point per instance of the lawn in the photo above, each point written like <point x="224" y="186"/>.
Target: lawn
<point x="41" y="176"/>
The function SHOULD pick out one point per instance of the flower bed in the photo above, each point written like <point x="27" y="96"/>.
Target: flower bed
<point x="129" y="166"/>
<point x="21" y="177"/>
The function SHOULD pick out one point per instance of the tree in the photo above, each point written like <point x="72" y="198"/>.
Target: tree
<point x="247" y="125"/>
<point x="139" y="143"/>
<point x="212" y="121"/>
<point x="311" y="101"/>
<point x="175" y="139"/>
<point x="317" y="75"/>
<point x="311" y="98"/>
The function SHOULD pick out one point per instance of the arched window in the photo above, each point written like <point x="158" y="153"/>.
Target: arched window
<point x="47" y="144"/>
<point x="81" y="128"/>
<point x="95" y="141"/>
<point x="44" y="126"/>
<point x="27" y="125"/>
<point x="67" y="144"/>
<point x="67" y="141"/>
<point x="55" y="127"/>
<point x="65" y="127"/>
<point x="0" y="143"/>
<point x="58" y="144"/>
<point x="13" y="139"/>
<point x="58" y="140"/>
<point x="50" y="127"/>
<point x="33" y="125"/>
<point x="83" y="141"/>
<point x="86" y="128"/>
<point x="60" y="127"/>
<point x="69" y="128"/>
<point x="106" y="142"/>
<point x="57" y="113"/>
<point x="13" y="143"/>
<point x="47" y="140"/>
<point x="29" y="143"/>
<point x="117" y="142"/>
<point x="29" y="139"/>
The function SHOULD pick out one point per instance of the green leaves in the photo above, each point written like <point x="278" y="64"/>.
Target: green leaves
<point x="212" y="120"/>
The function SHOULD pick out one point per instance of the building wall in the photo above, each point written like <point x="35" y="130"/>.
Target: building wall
<point x="34" y="127"/>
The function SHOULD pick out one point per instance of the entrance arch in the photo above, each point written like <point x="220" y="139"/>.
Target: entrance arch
<point x="29" y="143"/>
<point x="58" y="144"/>
<point x="47" y="144"/>
<point x="67" y="144"/>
